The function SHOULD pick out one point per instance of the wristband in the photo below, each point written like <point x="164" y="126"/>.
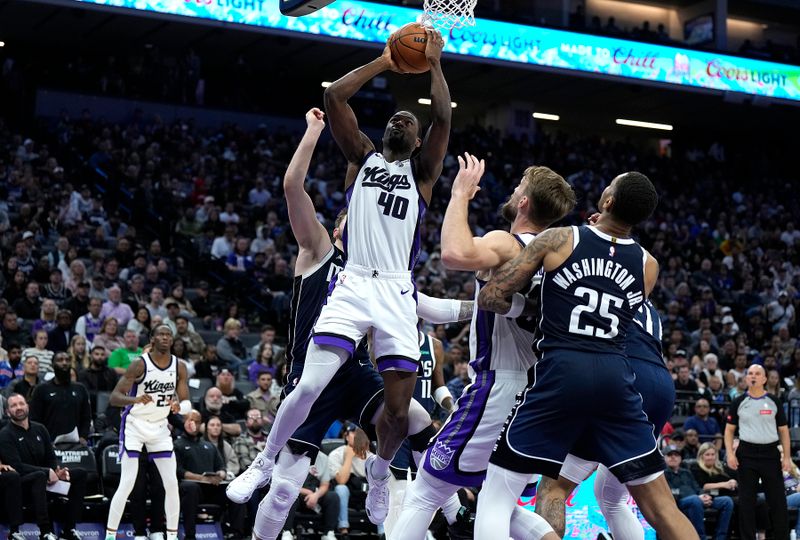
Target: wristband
<point x="185" y="407"/>
<point x="440" y="393"/>
<point x="517" y="306"/>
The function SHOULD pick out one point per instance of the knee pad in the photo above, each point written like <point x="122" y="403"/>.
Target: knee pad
<point x="419" y="441"/>
<point x="281" y="496"/>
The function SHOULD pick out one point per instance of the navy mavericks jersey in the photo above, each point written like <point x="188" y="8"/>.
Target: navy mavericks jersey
<point x="423" y="391"/>
<point x="589" y="301"/>
<point x="309" y="292"/>
<point x="644" y="336"/>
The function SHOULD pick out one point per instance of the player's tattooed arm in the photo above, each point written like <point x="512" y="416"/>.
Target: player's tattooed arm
<point x="517" y="273"/>
<point x="120" y="395"/>
<point x="466" y="310"/>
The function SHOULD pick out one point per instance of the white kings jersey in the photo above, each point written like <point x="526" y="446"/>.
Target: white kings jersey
<point x="497" y="342"/>
<point x="160" y="384"/>
<point x="384" y="212"/>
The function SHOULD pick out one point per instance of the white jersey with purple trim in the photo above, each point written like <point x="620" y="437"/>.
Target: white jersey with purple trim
<point x="384" y="211"/>
<point x="497" y="342"/>
<point x="160" y="384"/>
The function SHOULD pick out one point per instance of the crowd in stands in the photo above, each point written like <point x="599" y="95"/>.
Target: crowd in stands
<point x="107" y="229"/>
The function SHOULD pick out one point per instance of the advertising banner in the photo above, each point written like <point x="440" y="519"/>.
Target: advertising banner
<point x="560" y="49"/>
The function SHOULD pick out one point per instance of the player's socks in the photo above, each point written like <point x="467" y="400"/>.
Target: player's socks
<point x="111" y="535"/>
<point x="380" y="467"/>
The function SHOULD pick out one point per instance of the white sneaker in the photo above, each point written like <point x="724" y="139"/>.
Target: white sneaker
<point x="16" y="536"/>
<point x="49" y="536"/>
<point x="330" y="535"/>
<point x="377" y="504"/>
<point x="287" y="535"/>
<point x="139" y="538"/>
<point x="256" y="476"/>
<point x="156" y="536"/>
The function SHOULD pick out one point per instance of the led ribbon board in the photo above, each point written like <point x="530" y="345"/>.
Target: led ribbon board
<point x="510" y="42"/>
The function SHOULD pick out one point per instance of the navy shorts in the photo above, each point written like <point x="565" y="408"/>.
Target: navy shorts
<point x="585" y="404"/>
<point x="354" y="393"/>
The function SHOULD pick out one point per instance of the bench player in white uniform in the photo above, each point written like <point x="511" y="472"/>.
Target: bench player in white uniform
<point x="387" y="195"/>
<point x="501" y="349"/>
<point x="147" y="392"/>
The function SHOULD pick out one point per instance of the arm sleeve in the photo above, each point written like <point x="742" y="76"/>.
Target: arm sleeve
<point x="780" y="417"/>
<point x="437" y="310"/>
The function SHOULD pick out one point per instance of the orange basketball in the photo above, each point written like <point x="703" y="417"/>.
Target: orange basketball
<point x="408" y="48"/>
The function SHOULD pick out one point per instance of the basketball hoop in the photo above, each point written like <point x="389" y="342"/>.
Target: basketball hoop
<point x="448" y="14"/>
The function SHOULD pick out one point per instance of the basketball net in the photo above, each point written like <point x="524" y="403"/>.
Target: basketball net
<point x="448" y="14"/>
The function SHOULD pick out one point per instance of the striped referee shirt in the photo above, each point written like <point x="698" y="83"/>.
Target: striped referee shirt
<point x="758" y="418"/>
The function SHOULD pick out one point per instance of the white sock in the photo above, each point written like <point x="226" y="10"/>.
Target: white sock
<point x="380" y="468"/>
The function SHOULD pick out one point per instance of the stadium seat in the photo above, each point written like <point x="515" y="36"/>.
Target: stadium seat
<point x="110" y="469"/>
<point x="328" y="445"/>
<point x="196" y="395"/>
<point x="245" y="386"/>
<point x="250" y="340"/>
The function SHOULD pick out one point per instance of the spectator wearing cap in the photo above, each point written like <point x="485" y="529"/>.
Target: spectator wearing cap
<point x="116" y="308"/>
<point x="205" y="210"/>
<point x="761" y="423"/>
<point x="55" y="288"/>
<point x="728" y="330"/>
<point x="214" y="404"/>
<point x="29" y="306"/>
<point x="230" y="349"/>
<point x="691" y="444"/>
<point x="779" y="312"/>
<point x="691" y="499"/>
<point x="173" y="312"/>
<point x="78" y="305"/>
<point x="707" y="427"/>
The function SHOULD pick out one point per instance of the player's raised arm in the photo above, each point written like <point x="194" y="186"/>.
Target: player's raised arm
<point x="443" y="310"/>
<point x="498" y="295"/>
<point x="434" y="146"/>
<point x="344" y="125"/>
<point x="461" y="250"/>
<point x="120" y="395"/>
<point x="308" y="231"/>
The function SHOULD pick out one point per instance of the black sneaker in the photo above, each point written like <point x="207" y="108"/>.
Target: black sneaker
<point x="464" y="526"/>
<point x="69" y="534"/>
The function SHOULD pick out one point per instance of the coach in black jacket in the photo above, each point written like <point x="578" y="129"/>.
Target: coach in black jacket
<point x="26" y="446"/>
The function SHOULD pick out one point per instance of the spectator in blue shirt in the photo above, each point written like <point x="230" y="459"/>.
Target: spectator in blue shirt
<point x="457" y="384"/>
<point x="707" y="427"/>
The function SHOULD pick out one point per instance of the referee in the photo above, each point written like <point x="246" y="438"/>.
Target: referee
<point x="761" y="422"/>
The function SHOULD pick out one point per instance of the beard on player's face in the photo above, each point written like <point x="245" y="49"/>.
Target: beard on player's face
<point x="509" y="209"/>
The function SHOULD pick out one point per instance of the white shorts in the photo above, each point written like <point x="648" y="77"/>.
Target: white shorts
<point x="386" y="301"/>
<point x="135" y="433"/>
<point x="461" y="450"/>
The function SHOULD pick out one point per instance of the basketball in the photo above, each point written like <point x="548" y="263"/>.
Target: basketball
<point x="408" y="48"/>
